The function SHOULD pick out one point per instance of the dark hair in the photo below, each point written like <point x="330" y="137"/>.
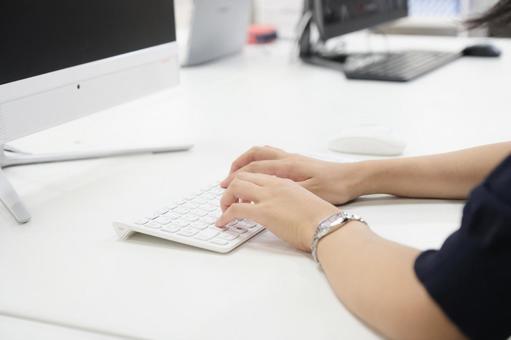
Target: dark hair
<point x="498" y="15"/>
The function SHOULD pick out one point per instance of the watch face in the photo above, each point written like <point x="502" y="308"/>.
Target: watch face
<point x="337" y="221"/>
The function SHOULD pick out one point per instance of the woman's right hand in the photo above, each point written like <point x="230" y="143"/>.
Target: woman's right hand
<point x="336" y="183"/>
<point x="291" y="212"/>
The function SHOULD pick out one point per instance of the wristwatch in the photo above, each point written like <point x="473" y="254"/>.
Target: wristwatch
<point x="329" y="225"/>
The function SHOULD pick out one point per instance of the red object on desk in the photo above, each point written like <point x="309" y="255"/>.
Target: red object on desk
<point x="261" y="34"/>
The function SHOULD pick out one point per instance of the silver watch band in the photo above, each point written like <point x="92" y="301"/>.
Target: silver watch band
<point x="329" y="225"/>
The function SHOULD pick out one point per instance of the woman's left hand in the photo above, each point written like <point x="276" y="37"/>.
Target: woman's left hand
<point x="284" y="207"/>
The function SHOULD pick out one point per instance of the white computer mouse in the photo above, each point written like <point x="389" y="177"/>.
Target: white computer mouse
<point x="368" y="140"/>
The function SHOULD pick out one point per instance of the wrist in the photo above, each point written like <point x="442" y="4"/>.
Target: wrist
<point x="351" y="180"/>
<point x="312" y="225"/>
<point x="373" y="176"/>
<point x="330" y="225"/>
<point x="353" y="234"/>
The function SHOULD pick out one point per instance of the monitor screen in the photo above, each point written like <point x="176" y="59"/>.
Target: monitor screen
<point x="41" y="36"/>
<point x="338" y="17"/>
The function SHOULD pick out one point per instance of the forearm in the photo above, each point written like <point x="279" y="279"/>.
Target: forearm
<point x="449" y="175"/>
<point x="375" y="279"/>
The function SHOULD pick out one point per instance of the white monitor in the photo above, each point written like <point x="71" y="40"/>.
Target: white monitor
<point x="216" y="29"/>
<point x="61" y="60"/>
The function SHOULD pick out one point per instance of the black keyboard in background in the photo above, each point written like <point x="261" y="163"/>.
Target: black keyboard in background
<point x="398" y="67"/>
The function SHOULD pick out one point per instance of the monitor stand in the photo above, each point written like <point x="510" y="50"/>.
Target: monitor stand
<point x="10" y="157"/>
<point x="309" y="51"/>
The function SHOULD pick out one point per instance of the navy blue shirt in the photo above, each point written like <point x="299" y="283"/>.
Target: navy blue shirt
<point x="470" y="276"/>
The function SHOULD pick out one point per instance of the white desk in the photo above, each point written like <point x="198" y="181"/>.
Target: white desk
<point x="67" y="268"/>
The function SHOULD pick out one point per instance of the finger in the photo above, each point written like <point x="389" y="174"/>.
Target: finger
<point x="307" y="184"/>
<point x="238" y="211"/>
<point x="278" y="168"/>
<point x="256" y="154"/>
<point x="240" y="190"/>
<point x="262" y="180"/>
<point x="276" y="149"/>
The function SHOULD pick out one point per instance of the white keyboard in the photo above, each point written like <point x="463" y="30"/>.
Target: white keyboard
<point x="192" y="221"/>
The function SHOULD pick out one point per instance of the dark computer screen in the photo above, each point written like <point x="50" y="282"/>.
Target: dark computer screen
<point x="338" y="17"/>
<point x="41" y="36"/>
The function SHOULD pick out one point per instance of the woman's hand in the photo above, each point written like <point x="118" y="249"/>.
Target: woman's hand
<point x="290" y="211"/>
<point x="334" y="182"/>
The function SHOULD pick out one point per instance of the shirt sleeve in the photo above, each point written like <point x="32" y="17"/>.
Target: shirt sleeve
<point x="470" y="276"/>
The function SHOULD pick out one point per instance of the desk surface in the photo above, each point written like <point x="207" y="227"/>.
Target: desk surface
<point x="66" y="266"/>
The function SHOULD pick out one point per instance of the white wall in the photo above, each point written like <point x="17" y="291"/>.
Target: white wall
<point x="284" y="14"/>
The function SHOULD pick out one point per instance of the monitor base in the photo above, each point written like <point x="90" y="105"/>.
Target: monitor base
<point x="9" y="197"/>
<point x="308" y="43"/>
<point x="336" y="61"/>
<point x="11" y="157"/>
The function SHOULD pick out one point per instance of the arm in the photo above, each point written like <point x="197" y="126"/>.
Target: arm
<point x="373" y="277"/>
<point x="375" y="280"/>
<point x="449" y="175"/>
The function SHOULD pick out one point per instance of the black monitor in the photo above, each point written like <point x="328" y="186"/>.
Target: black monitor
<point x="334" y="18"/>
<point x="337" y="17"/>
<point x="38" y="37"/>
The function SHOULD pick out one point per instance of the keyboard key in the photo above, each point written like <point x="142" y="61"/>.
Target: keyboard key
<point x="247" y="224"/>
<point x="217" y="229"/>
<point x="190" y="218"/>
<point x="207" y="234"/>
<point x="201" y="201"/>
<point x="215" y="214"/>
<point x="211" y="207"/>
<point x="209" y="196"/>
<point x="203" y="190"/>
<point x="181" y="223"/>
<point x="239" y="230"/>
<point x="142" y="221"/>
<point x="232" y="224"/>
<point x="229" y="235"/>
<point x="190" y="205"/>
<point x="209" y="219"/>
<point x="190" y="197"/>
<point x="218" y="194"/>
<point x="172" y="215"/>
<point x="163" y="220"/>
<point x="181" y="210"/>
<point x="199" y="212"/>
<point x="170" y="229"/>
<point x="220" y="242"/>
<point x="199" y="225"/>
<point x="153" y="225"/>
<point x="188" y="231"/>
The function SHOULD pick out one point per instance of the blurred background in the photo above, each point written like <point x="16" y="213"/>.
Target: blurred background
<point x="427" y="17"/>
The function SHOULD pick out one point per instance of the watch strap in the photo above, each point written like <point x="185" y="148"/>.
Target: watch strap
<point x="329" y="225"/>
